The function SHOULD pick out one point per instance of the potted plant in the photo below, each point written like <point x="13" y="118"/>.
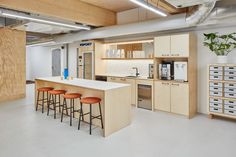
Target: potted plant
<point x="221" y="45"/>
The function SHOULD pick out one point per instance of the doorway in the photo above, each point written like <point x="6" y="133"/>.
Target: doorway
<point x="88" y="65"/>
<point x="56" y="62"/>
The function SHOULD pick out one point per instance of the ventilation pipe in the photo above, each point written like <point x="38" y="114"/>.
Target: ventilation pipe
<point x="200" y="14"/>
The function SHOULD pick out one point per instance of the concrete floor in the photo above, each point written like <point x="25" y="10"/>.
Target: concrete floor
<point x="26" y="133"/>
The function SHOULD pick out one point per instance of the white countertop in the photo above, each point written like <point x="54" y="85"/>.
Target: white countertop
<point x="91" y="84"/>
<point x="120" y="75"/>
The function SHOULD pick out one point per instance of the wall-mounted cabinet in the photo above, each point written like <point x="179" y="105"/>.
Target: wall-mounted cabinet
<point x="172" y="46"/>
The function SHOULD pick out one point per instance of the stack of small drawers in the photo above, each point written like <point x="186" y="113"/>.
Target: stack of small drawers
<point x="222" y="89"/>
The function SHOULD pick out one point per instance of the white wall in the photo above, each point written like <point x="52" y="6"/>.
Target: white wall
<point x="205" y="57"/>
<point x="124" y="67"/>
<point x="73" y="59"/>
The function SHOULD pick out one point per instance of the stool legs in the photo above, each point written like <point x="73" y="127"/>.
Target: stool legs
<point x="90" y="121"/>
<point x="42" y="100"/>
<point x="81" y="115"/>
<point x="100" y="110"/>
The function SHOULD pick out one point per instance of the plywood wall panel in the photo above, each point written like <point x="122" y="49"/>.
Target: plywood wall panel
<point x="12" y="64"/>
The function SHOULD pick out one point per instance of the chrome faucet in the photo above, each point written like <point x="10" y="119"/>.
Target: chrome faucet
<point x="137" y="73"/>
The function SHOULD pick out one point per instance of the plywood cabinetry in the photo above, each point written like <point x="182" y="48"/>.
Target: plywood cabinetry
<point x="162" y="96"/>
<point x="180" y="98"/>
<point x="172" y="46"/>
<point x="126" y="81"/>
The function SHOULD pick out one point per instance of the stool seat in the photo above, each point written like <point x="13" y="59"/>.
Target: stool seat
<point x="72" y="95"/>
<point x="90" y="100"/>
<point x="45" y="89"/>
<point x="57" y="92"/>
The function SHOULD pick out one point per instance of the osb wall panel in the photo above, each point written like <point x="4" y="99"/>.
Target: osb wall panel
<point x="12" y="64"/>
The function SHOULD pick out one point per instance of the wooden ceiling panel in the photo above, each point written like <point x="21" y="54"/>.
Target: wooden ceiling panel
<point x="122" y="5"/>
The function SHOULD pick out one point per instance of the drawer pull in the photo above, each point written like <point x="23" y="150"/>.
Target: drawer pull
<point x="231" y="68"/>
<point x="215" y="109"/>
<point x="231" y="90"/>
<point x="215" y="92"/>
<point x="216" y="88"/>
<point x="165" y="83"/>
<point x="231" y="102"/>
<point x="231" y="73"/>
<point x="231" y="112"/>
<point x="231" y="77"/>
<point x="175" y="84"/>
<point x="231" y="94"/>
<point x="231" y="107"/>
<point x="215" y="99"/>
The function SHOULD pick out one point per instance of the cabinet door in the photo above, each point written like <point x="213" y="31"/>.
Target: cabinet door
<point x="133" y="88"/>
<point x="162" y="96"/>
<point x="162" y="46"/>
<point x="180" y="45"/>
<point x="180" y="98"/>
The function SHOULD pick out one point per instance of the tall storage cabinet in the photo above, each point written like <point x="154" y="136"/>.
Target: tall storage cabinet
<point x="222" y="90"/>
<point x="173" y="96"/>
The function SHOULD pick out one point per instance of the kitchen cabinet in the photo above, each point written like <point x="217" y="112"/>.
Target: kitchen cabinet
<point x="179" y="45"/>
<point x="162" y="96"/>
<point x="179" y="98"/>
<point x="172" y="46"/>
<point x="126" y="81"/>
<point x="172" y="97"/>
<point x="162" y="46"/>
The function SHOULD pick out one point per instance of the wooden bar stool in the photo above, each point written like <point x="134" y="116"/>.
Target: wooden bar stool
<point x="53" y="101"/>
<point x="71" y="97"/>
<point x="91" y="101"/>
<point x="43" y="90"/>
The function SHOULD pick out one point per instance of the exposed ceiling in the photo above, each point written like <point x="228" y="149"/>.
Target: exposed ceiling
<point x="122" y="5"/>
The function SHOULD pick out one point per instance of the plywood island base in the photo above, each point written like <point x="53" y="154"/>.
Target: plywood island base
<point x="116" y="102"/>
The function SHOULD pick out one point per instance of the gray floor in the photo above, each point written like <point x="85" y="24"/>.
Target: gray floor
<point x="26" y="133"/>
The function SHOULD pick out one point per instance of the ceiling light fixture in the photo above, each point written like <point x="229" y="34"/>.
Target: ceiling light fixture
<point x="47" y="43"/>
<point x="26" y="17"/>
<point x="148" y="6"/>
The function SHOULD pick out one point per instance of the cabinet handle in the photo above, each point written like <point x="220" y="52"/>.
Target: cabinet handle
<point x="175" y="84"/>
<point x="123" y="79"/>
<point x="112" y="78"/>
<point x="165" y="83"/>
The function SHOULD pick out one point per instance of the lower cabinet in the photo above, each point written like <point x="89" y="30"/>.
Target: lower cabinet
<point x="126" y="81"/>
<point x="172" y="97"/>
<point x="162" y="96"/>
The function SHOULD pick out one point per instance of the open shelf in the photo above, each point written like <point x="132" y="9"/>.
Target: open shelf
<point x="127" y="58"/>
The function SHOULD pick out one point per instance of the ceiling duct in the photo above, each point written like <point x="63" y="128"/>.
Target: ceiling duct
<point x="200" y="13"/>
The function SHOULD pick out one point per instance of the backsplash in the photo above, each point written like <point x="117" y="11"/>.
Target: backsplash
<point x="124" y="67"/>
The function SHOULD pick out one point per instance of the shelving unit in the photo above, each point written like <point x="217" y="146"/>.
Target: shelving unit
<point x="222" y="90"/>
<point x="176" y="97"/>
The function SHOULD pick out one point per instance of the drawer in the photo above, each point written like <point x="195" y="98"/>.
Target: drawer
<point x="217" y="105"/>
<point x="230" y="90"/>
<point x="215" y="109"/>
<point x="229" y="102"/>
<point x="216" y="68"/>
<point x="230" y="112"/>
<point x="216" y="94"/>
<point x="216" y="84"/>
<point x="230" y="107"/>
<point x="228" y="68"/>
<point x="216" y="73"/>
<point x="230" y="95"/>
<point x="215" y="77"/>
<point x="230" y="73"/>
<point x="216" y="100"/>
<point x="216" y="89"/>
<point x="230" y="85"/>
<point x="230" y="78"/>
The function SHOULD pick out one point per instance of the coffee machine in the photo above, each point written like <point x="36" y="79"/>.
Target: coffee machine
<point x="166" y="70"/>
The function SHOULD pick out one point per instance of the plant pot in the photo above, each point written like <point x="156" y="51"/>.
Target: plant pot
<point x="222" y="59"/>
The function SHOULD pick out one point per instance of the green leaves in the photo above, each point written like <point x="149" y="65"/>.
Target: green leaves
<point x="220" y="44"/>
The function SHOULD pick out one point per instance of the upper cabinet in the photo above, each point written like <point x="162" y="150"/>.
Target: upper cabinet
<point x="162" y="46"/>
<point x="172" y="46"/>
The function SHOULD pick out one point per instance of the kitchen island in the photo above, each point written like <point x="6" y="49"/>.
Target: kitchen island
<point x="116" y="99"/>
